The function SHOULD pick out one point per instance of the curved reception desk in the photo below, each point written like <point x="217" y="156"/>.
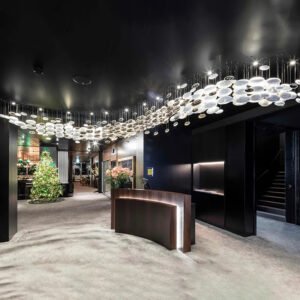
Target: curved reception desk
<point x="163" y="217"/>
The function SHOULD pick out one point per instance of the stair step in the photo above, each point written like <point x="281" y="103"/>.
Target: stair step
<point x="278" y="184"/>
<point x="279" y="180"/>
<point x="273" y="197"/>
<point x="271" y="216"/>
<point x="275" y="193"/>
<point x="271" y="204"/>
<point x="272" y="210"/>
<point x="279" y="188"/>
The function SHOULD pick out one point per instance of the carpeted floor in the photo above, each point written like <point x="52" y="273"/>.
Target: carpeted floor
<point x="66" y="250"/>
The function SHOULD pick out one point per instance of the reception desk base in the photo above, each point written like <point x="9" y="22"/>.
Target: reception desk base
<point x="160" y="216"/>
<point x="152" y="220"/>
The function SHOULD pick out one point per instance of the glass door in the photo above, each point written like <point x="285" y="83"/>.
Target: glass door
<point x="106" y="187"/>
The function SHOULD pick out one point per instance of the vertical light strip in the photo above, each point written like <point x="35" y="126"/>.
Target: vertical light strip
<point x="179" y="225"/>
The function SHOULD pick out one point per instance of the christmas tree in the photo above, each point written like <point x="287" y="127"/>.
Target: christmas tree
<point x="45" y="186"/>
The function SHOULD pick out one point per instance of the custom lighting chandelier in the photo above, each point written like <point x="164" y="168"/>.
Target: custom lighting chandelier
<point x="260" y="82"/>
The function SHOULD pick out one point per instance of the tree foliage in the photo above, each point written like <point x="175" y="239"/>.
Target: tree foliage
<point x="45" y="186"/>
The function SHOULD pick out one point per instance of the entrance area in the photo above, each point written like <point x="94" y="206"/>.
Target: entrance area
<point x="277" y="177"/>
<point x="85" y="171"/>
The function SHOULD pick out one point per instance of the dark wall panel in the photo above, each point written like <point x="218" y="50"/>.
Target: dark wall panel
<point x="239" y="174"/>
<point x="209" y="146"/>
<point x="170" y="156"/>
<point x="8" y="182"/>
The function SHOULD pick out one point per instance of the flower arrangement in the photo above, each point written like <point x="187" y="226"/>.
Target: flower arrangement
<point x="118" y="176"/>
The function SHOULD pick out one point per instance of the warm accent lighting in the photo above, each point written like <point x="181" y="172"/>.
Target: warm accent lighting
<point x="211" y="163"/>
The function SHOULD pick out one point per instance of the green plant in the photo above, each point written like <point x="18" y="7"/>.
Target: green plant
<point x="45" y="185"/>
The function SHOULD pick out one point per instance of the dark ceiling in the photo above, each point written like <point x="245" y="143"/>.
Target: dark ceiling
<point x="131" y="48"/>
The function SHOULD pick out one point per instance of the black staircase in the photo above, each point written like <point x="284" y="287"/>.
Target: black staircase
<point x="271" y="202"/>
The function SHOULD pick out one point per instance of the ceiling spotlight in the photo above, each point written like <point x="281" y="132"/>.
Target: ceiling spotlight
<point x="106" y="112"/>
<point x="91" y="113"/>
<point x="157" y="98"/>
<point x="144" y="104"/>
<point x="178" y="87"/>
<point x="255" y="63"/>
<point x="209" y="72"/>
<point x="292" y="62"/>
<point x="13" y="103"/>
<point x="77" y="142"/>
<point x="40" y="109"/>
<point x="126" y="109"/>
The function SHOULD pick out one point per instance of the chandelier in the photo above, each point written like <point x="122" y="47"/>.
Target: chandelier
<point x="208" y="96"/>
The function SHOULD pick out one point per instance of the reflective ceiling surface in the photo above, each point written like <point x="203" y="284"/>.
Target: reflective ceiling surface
<point x="129" y="49"/>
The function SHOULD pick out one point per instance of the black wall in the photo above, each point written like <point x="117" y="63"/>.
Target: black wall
<point x="240" y="212"/>
<point x="8" y="182"/>
<point x="209" y="146"/>
<point x="170" y="156"/>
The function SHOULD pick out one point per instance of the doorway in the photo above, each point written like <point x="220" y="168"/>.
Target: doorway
<point x="270" y="148"/>
<point x="84" y="172"/>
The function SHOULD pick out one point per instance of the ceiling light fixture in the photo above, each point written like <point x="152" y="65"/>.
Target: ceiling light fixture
<point x="293" y="62"/>
<point x="199" y="99"/>
<point x="255" y="63"/>
<point x="82" y="80"/>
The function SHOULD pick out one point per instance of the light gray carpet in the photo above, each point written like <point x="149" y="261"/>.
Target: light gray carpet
<point x="66" y="250"/>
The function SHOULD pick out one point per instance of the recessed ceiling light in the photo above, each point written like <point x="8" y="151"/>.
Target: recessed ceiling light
<point x="292" y="62"/>
<point x="82" y="80"/>
<point x="40" y="109"/>
<point x="209" y="72"/>
<point x="68" y="112"/>
<point x="126" y="109"/>
<point x="255" y="63"/>
<point x="91" y="113"/>
<point x="106" y="112"/>
<point x="13" y="103"/>
<point x="144" y="104"/>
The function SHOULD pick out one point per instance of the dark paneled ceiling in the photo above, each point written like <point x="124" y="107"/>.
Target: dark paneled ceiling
<point x="130" y="48"/>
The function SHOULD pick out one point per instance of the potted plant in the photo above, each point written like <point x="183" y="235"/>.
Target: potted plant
<point x="45" y="185"/>
<point x="119" y="177"/>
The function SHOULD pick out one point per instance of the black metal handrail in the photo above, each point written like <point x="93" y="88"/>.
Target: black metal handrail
<point x="272" y="165"/>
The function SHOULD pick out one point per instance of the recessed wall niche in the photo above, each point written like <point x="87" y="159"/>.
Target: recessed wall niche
<point x="208" y="177"/>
